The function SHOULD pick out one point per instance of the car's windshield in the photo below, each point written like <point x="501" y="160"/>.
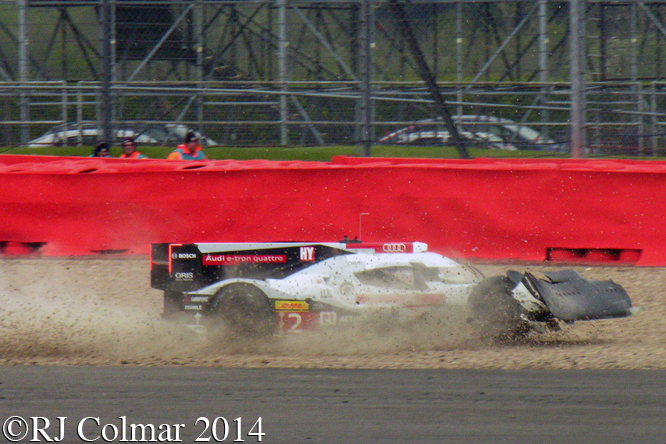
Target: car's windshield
<point x="525" y="132"/>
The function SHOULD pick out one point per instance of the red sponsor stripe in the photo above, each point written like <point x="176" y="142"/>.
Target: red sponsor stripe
<point x="406" y="300"/>
<point x="238" y="259"/>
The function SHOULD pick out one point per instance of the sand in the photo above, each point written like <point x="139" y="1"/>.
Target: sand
<point x="103" y="312"/>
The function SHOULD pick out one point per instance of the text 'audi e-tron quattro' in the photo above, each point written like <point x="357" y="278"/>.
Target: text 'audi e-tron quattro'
<point x="259" y="289"/>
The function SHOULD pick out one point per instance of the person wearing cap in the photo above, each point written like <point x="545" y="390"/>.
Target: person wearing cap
<point x="101" y="150"/>
<point x="190" y="150"/>
<point x="129" y="150"/>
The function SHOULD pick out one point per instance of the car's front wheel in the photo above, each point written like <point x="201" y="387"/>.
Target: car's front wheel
<point x="245" y="310"/>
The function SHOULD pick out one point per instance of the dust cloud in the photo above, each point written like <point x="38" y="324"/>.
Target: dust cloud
<point x="103" y="312"/>
<point x="98" y="312"/>
<point x="55" y="311"/>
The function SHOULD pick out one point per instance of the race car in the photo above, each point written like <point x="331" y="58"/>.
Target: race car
<point x="259" y="289"/>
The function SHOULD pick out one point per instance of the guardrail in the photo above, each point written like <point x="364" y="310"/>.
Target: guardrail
<point x="597" y="211"/>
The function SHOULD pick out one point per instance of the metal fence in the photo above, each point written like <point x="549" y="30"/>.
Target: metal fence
<point x="621" y="118"/>
<point x="278" y="72"/>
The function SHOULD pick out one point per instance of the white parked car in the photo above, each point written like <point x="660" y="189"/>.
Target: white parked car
<point x="89" y="133"/>
<point x="480" y="131"/>
<point x="259" y="289"/>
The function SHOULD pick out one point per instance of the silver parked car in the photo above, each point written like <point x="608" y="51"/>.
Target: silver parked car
<point x="480" y="131"/>
<point x="89" y="133"/>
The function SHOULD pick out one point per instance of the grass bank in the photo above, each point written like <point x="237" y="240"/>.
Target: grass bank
<point x="292" y="153"/>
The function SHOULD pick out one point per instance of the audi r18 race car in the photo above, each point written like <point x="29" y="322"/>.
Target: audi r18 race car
<point x="258" y="289"/>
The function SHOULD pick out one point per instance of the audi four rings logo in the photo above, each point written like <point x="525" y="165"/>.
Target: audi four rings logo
<point x="394" y="248"/>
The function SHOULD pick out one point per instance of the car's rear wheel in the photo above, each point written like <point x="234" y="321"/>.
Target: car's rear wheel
<point x="495" y="311"/>
<point x="245" y="310"/>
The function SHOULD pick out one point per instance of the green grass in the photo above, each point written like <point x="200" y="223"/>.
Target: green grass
<point x="294" y="153"/>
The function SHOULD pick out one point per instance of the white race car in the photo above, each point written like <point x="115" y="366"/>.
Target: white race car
<point x="264" y="288"/>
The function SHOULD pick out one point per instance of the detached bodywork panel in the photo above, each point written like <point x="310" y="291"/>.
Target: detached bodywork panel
<point x="571" y="297"/>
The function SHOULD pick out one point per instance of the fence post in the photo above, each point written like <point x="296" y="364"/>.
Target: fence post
<point x="23" y="70"/>
<point x="577" y="82"/>
<point x="63" y="96"/>
<point x="282" y="70"/>
<point x="655" y="127"/>
<point x="637" y="87"/>
<point x="105" y="84"/>
<point x="641" y="122"/>
<point x="79" y="112"/>
<point x="366" y="77"/>
<point x="543" y="64"/>
<point x="459" y="58"/>
<point x="198" y="23"/>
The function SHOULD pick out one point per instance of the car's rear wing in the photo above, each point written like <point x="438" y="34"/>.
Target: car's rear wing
<point x="188" y="267"/>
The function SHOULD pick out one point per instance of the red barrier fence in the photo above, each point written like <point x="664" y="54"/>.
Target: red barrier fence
<point x="517" y="209"/>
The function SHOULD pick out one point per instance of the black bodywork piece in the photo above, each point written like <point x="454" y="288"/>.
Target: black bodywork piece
<point x="571" y="297"/>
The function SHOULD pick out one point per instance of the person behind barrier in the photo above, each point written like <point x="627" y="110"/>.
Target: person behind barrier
<point x="129" y="150"/>
<point x="190" y="150"/>
<point x="101" y="150"/>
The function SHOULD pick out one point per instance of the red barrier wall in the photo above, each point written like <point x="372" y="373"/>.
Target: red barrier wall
<point x="518" y="209"/>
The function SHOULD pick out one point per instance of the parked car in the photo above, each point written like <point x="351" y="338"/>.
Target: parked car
<point x="481" y="131"/>
<point x="427" y="135"/>
<point x="89" y="133"/>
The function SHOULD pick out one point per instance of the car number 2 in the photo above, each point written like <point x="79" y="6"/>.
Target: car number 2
<point x="298" y="319"/>
<point x="297" y="322"/>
